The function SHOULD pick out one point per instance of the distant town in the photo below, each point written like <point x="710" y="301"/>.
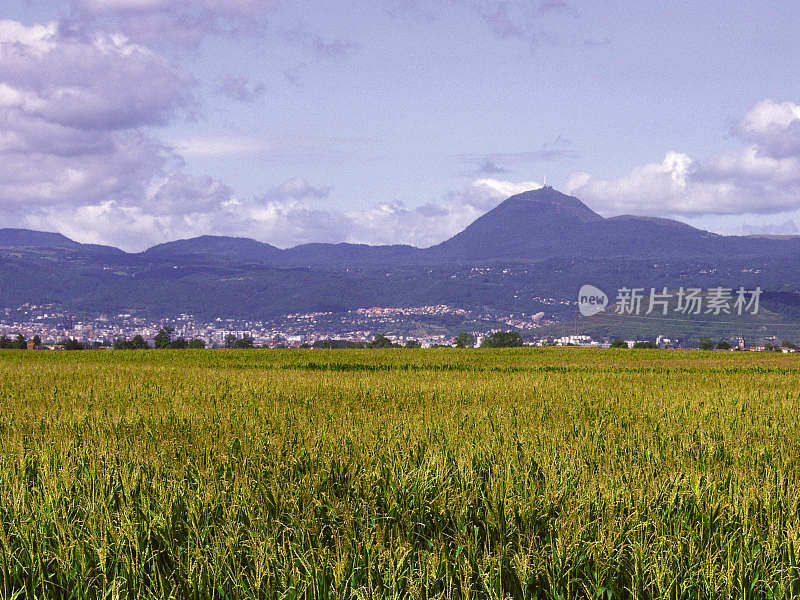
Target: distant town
<point x="418" y="326"/>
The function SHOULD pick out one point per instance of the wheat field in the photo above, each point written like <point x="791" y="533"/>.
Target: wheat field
<point x="443" y="473"/>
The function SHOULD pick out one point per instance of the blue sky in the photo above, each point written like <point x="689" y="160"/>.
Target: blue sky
<point x="132" y="122"/>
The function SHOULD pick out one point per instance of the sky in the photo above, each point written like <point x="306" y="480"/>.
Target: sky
<point x="135" y="122"/>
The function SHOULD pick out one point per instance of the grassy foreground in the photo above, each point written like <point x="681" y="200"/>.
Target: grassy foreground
<point x="536" y="473"/>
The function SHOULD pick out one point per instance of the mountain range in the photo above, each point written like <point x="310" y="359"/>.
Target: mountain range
<point x="554" y="242"/>
<point x="531" y="226"/>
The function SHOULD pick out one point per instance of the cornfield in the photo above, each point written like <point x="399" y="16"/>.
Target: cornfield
<point x="443" y="473"/>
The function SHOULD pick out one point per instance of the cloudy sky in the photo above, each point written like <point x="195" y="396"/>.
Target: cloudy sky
<point x="133" y="122"/>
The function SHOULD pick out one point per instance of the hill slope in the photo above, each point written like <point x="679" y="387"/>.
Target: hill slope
<point x="26" y="238"/>
<point x="216" y="248"/>
<point x="545" y="223"/>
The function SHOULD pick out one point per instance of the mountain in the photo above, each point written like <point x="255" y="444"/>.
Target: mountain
<point x="215" y="248"/>
<point x="545" y="223"/>
<point x="239" y="250"/>
<point x="46" y="241"/>
<point x="34" y="239"/>
<point x="531" y="225"/>
<point x="529" y="254"/>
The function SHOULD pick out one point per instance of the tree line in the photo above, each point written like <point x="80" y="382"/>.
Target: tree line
<point x="19" y="342"/>
<point x="498" y="339"/>
<point x="164" y="340"/>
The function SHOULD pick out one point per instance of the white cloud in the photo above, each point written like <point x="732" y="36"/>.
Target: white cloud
<point x="180" y="194"/>
<point x="286" y="218"/>
<point x="73" y="152"/>
<point x="768" y="114"/>
<point x="298" y="188"/>
<point x="37" y="39"/>
<point x="506" y="188"/>
<point x="655" y="184"/>
<point x="110" y="6"/>
<point x="218" y="145"/>
<point x="761" y="178"/>
<point x="175" y="21"/>
<point x="774" y="127"/>
<point x="786" y="227"/>
<point x="229" y="7"/>
<point x="100" y="83"/>
<point x="178" y="206"/>
<point x="118" y="168"/>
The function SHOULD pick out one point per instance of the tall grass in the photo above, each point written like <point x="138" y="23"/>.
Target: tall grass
<point x="406" y="474"/>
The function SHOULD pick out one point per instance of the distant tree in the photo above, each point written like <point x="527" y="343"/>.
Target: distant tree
<point x="179" y="344"/>
<point x="19" y="342"/>
<point x="305" y="346"/>
<point x="413" y="344"/>
<point x="244" y="343"/>
<point x="197" y="344"/>
<point x="230" y="341"/>
<point x="333" y="344"/>
<point x="619" y="344"/>
<point x="164" y="337"/>
<point x="71" y="344"/>
<point x="37" y="342"/>
<point x="789" y="344"/>
<point x="381" y="341"/>
<point x="769" y="347"/>
<point x="724" y="345"/>
<point x="137" y="343"/>
<point x="644" y="345"/>
<point x="502" y="339"/>
<point x="706" y="344"/>
<point x="465" y="340"/>
<point x="122" y="344"/>
<point x="5" y="343"/>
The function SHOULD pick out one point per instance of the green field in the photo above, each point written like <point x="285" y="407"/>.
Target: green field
<point x="525" y="473"/>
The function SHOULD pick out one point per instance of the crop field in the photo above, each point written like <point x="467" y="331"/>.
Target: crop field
<point x="443" y="473"/>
